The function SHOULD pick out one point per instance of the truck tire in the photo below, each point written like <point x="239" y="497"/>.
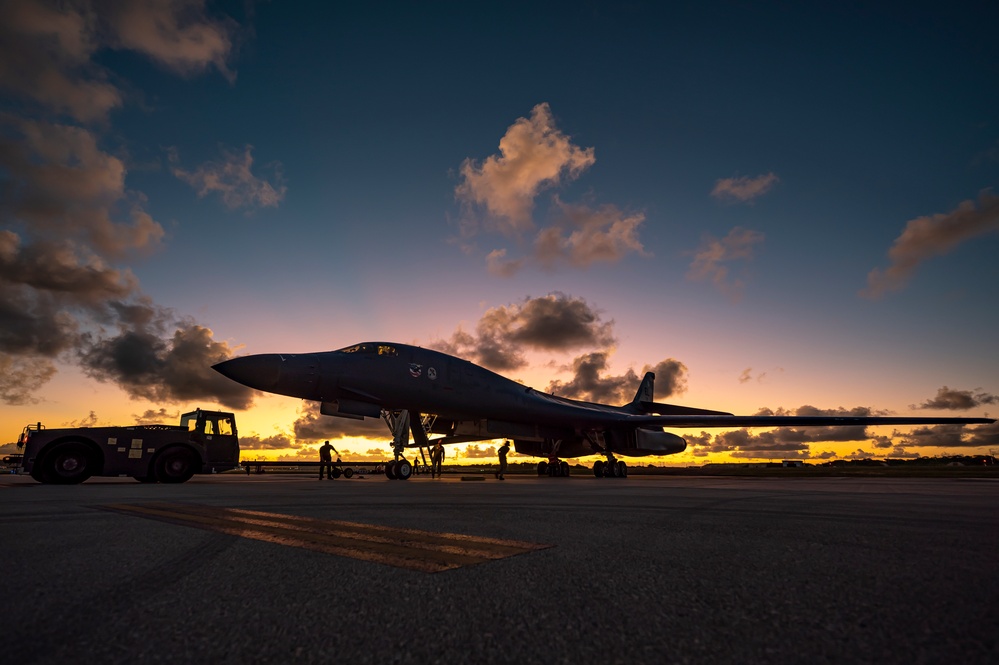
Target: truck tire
<point x="68" y="463"/>
<point x="176" y="465"/>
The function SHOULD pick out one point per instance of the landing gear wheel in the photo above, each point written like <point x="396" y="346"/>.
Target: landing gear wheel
<point x="348" y="472"/>
<point x="67" y="464"/>
<point x="622" y="469"/>
<point x="542" y="468"/>
<point x="175" y="465"/>
<point x="390" y="470"/>
<point x="598" y="468"/>
<point x="403" y="469"/>
<point x="563" y="468"/>
<point x="336" y="472"/>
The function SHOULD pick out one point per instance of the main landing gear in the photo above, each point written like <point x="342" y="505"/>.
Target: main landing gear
<point x="612" y="468"/>
<point x="399" y="469"/>
<point x="554" y="468"/>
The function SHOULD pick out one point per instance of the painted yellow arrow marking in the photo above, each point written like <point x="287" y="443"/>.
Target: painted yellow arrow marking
<point x="412" y="549"/>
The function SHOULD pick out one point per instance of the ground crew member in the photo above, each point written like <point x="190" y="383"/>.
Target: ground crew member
<point x="504" y="449"/>
<point x="436" y="459"/>
<point x="326" y="461"/>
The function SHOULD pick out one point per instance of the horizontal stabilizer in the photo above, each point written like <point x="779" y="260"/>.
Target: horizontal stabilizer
<point x="674" y="410"/>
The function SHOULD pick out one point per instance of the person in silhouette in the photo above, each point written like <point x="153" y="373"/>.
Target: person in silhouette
<point x="503" y="450"/>
<point x="436" y="459"/>
<point x="326" y="461"/>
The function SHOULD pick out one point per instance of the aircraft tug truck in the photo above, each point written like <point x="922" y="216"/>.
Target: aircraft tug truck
<point x="204" y="442"/>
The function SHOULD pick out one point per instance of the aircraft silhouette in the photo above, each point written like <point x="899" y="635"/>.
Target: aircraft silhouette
<point x="428" y="392"/>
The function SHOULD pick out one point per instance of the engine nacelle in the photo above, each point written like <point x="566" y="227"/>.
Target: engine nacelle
<point x="654" y="442"/>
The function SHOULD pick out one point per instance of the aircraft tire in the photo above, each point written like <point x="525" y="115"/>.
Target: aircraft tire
<point x="403" y="469"/>
<point x="598" y="468"/>
<point x="348" y="472"/>
<point x="542" y="468"/>
<point x="622" y="469"/>
<point x="68" y="463"/>
<point x="390" y="470"/>
<point x="563" y="468"/>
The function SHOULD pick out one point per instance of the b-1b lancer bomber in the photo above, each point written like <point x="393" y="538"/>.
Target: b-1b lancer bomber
<point x="427" y="393"/>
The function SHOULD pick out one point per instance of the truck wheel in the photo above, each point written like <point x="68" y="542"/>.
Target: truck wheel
<point x="348" y="472"/>
<point x="67" y="464"/>
<point x="175" y="465"/>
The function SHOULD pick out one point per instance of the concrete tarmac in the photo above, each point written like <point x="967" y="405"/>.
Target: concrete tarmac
<point x="643" y="570"/>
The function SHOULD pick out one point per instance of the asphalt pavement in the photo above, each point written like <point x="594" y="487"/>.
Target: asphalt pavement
<point x="640" y="570"/>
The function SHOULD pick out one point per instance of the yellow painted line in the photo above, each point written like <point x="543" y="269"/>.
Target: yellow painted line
<point x="412" y="549"/>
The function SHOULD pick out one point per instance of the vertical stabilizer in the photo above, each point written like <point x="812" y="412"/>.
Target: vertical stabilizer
<point x="645" y="389"/>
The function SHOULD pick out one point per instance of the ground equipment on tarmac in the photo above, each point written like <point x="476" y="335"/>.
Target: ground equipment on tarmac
<point x="203" y="442"/>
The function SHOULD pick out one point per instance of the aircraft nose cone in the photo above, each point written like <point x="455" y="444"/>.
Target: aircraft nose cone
<point x="261" y="372"/>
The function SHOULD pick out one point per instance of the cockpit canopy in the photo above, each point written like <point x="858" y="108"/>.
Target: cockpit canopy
<point x="371" y="348"/>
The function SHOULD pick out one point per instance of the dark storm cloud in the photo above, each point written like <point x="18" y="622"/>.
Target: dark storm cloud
<point x="950" y="436"/>
<point x="784" y="441"/>
<point x="312" y="426"/>
<point x="150" y="365"/>
<point x="159" y="416"/>
<point x="957" y="400"/>
<point x="588" y="384"/>
<point x="275" y="442"/>
<point x="555" y="322"/>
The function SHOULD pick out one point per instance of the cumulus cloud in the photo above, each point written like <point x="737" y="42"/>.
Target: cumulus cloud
<point x="555" y="322"/>
<point x="68" y="216"/>
<point x="47" y="49"/>
<point x="534" y="155"/>
<point x="957" y="400"/>
<point x="58" y="181"/>
<point x="589" y="383"/>
<point x="177" y="34"/>
<point x="744" y="189"/>
<point x="45" y="57"/>
<point x="933" y="235"/>
<point x="232" y="178"/>
<point x="950" y="436"/>
<point x="583" y="236"/>
<point x="475" y="451"/>
<point x="712" y="259"/>
<point x="22" y="376"/>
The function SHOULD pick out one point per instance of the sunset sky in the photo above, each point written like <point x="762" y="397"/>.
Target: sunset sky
<point x="785" y="207"/>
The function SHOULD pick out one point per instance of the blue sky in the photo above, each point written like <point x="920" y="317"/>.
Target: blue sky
<point x="795" y="202"/>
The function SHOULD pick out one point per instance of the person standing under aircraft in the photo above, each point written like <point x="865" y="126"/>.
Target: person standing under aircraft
<point x="326" y="461"/>
<point x="436" y="459"/>
<point x="504" y="449"/>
